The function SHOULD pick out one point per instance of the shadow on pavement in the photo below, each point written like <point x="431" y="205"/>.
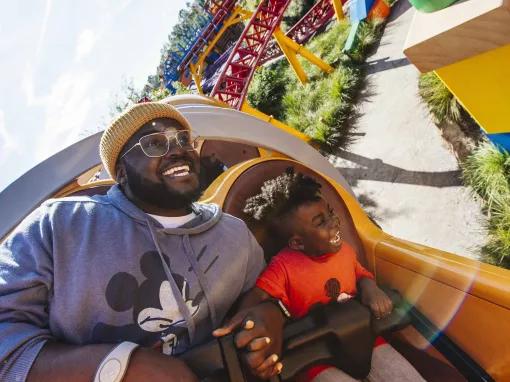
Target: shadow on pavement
<point x="399" y="9"/>
<point x="385" y="63"/>
<point x="376" y="169"/>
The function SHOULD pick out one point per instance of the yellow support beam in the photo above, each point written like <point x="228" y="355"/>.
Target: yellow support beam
<point x="238" y="14"/>
<point x="267" y="118"/>
<point x="291" y="49"/>
<point x="339" y="12"/>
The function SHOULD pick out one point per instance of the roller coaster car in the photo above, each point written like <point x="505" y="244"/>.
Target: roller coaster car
<point x="453" y="317"/>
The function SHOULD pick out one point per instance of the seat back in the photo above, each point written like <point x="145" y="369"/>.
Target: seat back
<point x="249" y="183"/>
<point x="215" y="155"/>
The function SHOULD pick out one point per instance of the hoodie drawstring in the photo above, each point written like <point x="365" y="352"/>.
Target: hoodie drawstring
<point x="175" y="289"/>
<point x="202" y="280"/>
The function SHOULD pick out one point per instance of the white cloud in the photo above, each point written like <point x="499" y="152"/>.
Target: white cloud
<point x="27" y="86"/>
<point x="66" y="110"/>
<point x="7" y="143"/>
<point x="86" y="41"/>
<point x="44" y="28"/>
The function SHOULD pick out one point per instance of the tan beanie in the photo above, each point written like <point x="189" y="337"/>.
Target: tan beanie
<point x="127" y="124"/>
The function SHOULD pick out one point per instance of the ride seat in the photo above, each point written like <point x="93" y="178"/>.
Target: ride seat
<point x="249" y="183"/>
<point x="216" y="155"/>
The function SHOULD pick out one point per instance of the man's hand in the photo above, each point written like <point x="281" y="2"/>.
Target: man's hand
<point x="61" y="363"/>
<point x="373" y="297"/>
<point x="261" y="329"/>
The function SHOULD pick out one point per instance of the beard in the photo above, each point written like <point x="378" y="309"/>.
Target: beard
<point x="158" y="194"/>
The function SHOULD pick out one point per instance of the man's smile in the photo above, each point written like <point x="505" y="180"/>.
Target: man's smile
<point x="177" y="171"/>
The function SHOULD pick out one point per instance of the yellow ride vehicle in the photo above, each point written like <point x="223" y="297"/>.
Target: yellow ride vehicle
<point x="457" y="309"/>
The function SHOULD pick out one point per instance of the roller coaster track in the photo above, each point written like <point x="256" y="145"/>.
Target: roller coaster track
<point x="232" y="85"/>
<point x="317" y="17"/>
<point x="220" y="10"/>
<point x="174" y="58"/>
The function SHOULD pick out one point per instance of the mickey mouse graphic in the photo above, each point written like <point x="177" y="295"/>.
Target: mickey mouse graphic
<point x="157" y="320"/>
<point x="332" y="289"/>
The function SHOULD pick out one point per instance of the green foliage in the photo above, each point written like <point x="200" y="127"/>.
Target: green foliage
<point x="321" y="108"/>
<point x="497" y="249"/>
<point x="250" y="5"/>
<point x="440" y="101"/>
<point x="328" y="45"/>
<point x="268" y="88"/>
<point x="368" y="34"/>
<point x="128" y="95"/>
<point x="295" y="11"/>
<point x="159" y="94"/>
<point x="487" y="171"/>
<point x="180" y="88"/>
<point x="191" y="19"/>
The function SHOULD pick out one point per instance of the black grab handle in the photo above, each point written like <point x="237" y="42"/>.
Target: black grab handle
<point x="338" y="334"/>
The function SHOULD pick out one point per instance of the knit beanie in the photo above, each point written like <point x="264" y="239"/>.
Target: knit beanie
<point x="127" y="124"/>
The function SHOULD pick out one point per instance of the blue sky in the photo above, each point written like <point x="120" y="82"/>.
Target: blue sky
<point x="62" y="65"/>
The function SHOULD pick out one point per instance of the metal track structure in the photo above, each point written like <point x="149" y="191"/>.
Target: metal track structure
<point x="173" y="59"/>
<point x="220" y="11"/>
<point x="317" y="17"/>
<point x="232" y="85"/>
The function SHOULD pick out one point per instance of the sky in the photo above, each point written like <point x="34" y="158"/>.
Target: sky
<point x="62" y="65"/>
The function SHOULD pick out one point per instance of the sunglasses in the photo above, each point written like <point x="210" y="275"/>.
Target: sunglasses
<point x="158" y="144"/>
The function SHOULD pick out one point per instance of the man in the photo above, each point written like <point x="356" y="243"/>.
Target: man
<point x="85" y="280"/>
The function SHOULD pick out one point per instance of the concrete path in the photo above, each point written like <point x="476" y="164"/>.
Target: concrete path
<point x="400" y="168"/>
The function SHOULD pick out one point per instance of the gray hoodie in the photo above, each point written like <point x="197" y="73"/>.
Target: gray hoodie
<point x="86" y="270"/>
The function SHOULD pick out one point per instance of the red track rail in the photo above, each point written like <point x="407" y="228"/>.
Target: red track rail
<point x="232" y="85"/>
<point x="318" y="16"/>
<point x="212" y="6"/>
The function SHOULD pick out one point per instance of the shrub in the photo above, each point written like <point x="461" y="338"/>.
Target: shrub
<point x="329" y="45"/>
<point x="268" y="88"/>
<point x="296" y="10"/>
<point x="159" y="93"/>
<point x="440" y="101"/>
<point x="487" y="171"/>
<point x="368" y="34"/>
<point x="180" y="88"/>
<point x="321" y="108"/>
<point x="497" y="249"/>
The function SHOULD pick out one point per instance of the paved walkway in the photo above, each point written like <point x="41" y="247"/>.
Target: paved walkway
<point x="400" y="168"/>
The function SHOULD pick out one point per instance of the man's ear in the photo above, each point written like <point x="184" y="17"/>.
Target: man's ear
<point x="120" y="173"/>
<point x="296" y="243"/>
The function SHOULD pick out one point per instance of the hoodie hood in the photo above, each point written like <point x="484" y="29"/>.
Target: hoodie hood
<point x="207" y="214"/>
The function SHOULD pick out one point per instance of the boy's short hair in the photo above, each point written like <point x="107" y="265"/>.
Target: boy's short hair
<point x="280" y="196"/>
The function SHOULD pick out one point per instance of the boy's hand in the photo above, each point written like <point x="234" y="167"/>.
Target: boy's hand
<point x="373" y="297"/>
<point x="261" y="330"/>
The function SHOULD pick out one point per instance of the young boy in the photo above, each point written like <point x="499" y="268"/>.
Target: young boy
<point x="317" y="267"/>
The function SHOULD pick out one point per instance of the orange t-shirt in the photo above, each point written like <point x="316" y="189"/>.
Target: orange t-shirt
<point x="301" y="281"/>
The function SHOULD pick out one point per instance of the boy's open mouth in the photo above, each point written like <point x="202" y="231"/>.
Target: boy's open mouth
<point x="336" y="239"/>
